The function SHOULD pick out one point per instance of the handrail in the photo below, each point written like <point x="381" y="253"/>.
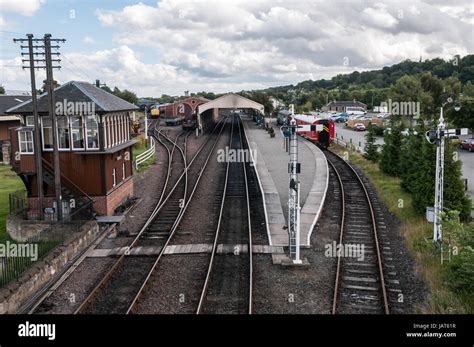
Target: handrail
<point x="142" y="157"/>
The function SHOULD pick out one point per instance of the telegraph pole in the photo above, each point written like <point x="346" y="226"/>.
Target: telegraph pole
<point x="37" y="128"/>
<point x="46" y="41"/>
<point x="50" y="89"/>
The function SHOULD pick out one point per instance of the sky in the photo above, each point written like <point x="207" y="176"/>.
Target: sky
<point x="172" y="46"/>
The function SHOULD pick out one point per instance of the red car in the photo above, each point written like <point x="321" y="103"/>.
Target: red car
<point x="467" y="144"/>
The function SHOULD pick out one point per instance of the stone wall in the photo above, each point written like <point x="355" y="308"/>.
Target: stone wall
<point x="15" y="294"/>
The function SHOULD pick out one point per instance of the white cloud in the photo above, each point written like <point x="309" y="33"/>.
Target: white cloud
<point x="379" y="17"/>
<point x="228" y="46"/>
<point x="23" y="7"/>
<point x="88" y="40"/>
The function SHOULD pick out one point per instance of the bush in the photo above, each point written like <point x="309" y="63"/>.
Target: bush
<point x="371" y="149"/>
<point x="390" y="156"/>
<point x="459" y="273"/>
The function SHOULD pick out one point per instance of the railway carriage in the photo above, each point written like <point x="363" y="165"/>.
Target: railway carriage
<point x="322" y="138"/>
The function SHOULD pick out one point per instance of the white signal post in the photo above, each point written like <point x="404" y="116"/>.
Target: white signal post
<point x="438" y="137"/>
<point x="438" y="206"/>
<point x="146" y="124"/>
<point x="294" y="168"/>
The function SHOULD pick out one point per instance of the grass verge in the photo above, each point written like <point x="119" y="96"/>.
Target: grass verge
<point x="9" y="183"/>
<point x="416" y="231"/>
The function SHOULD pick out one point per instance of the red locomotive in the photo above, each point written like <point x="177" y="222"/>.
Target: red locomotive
<point x="322" y="138"/>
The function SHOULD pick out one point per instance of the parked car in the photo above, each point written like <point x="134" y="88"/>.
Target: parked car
<point x="467" y="144"/>
<point x="359" y="127"/>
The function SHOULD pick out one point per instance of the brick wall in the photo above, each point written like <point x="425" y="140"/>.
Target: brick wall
<point x="105" y="205"/>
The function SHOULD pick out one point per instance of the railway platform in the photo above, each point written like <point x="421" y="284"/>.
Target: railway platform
<point x="272" y="168"/>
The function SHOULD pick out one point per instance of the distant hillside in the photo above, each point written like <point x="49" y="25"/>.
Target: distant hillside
<point x="370" y="87"/>
<point x="462" y="68"/>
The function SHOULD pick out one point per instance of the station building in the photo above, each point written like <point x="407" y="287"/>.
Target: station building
<point x="344" y="106"/>
<point x="95" y="148"/>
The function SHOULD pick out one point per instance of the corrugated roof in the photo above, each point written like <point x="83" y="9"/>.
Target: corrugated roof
<point x="75" y="91"/>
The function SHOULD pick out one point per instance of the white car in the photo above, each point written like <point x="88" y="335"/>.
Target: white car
<point x="359" y="127"/>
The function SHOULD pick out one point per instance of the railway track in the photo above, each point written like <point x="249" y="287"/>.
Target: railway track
<point x="120" y="288"/>
<point x="360" y="284"/>
<point x="200" y="164"/>
<point x="228" y="285"/>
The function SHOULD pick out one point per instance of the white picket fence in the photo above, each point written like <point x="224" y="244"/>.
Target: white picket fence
<point x="141" y="158"/>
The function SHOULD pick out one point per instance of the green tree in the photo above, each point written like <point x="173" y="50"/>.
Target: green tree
<point x="468" y="89"/>
<point x="390" y="156"/>
<point x="455" y="197"/>
<point x="129" y="96"/>
<point x="410" y="157"/>
<point x="423" y="178"/>
<point x="464" y="118"/>
<point x="459" y="273"/>
<point x="2" y="90"/>
<point x="371" y="149"/>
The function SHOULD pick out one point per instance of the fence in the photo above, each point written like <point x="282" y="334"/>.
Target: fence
<point x="349" y="144"/>
<point x="16" y="257"/>
<point x="141" y="158"/>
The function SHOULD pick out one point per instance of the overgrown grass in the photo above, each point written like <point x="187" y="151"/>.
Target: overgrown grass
<point x="9" y="183"/>
<point x="416" y="231"/>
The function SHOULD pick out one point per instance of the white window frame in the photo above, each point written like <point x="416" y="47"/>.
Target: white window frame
<point x="69" y="135"/>
<point x="32" y="118"/>
<point x="114" y="177"/>
<point x="84" y="138"/>
<point x="86" y="133"/>
<point x="42" y="135"/>
<point x="26" y="142"/>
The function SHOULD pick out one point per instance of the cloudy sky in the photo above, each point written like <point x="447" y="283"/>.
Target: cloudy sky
<point x="170" y="46"/>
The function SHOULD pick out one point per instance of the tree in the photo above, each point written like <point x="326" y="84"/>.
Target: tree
<point x="371" y="149"/>
<point x="464" y="118"/>
<point x="410" y="158"/>
<point x="468" y="89"/>
<point x="129" y="96"/>
<point x="390" y="156"/>
<point x="423" y="180"/>
<point x="459" y="273"/>
<point x="2" y="90"/>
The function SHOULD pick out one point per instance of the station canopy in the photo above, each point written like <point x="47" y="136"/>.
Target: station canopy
<point x="230" y="101"/>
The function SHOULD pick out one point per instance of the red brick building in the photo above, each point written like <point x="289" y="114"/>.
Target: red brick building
<point x="8" y="121"/>
<point x="183" y="108"/>
<point x="95" y="148"/>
